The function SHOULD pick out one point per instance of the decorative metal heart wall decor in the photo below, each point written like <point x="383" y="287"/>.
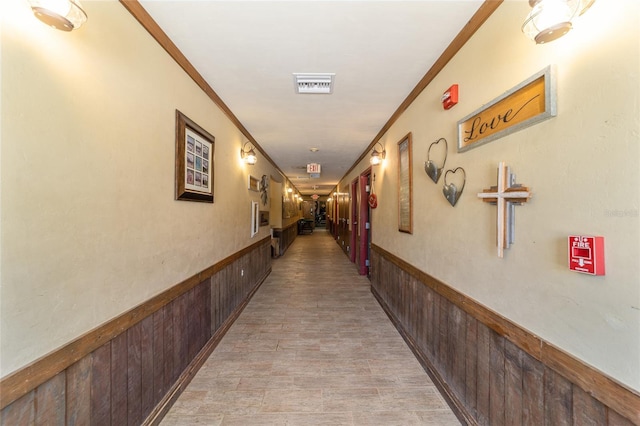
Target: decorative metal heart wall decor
<point x="451" y="191"/>
<point x="430" y="167"/>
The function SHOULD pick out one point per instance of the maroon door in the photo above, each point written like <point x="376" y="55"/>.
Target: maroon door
<point x="353" y="219"/>
<point x="364" y="224"/>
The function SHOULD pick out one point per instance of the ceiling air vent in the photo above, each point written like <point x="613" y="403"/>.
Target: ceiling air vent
<point x="313" y="83"/>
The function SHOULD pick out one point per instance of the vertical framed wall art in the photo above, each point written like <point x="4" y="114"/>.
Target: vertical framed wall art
<point x="254" y="184"/>
<point x="194" y="161"/>
<point x="405" y="183"/>
<point x="255" y="218"/>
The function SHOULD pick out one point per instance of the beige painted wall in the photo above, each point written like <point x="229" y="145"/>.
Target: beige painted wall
<point x="89" y="223"/>
<point x="581" y="165"/>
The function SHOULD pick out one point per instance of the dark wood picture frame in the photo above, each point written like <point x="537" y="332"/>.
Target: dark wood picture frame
<point x="405" y="185"/>
<point x="194" y="161"/>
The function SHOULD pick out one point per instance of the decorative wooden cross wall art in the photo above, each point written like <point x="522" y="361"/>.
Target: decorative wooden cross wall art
<point x="506" y="195"/>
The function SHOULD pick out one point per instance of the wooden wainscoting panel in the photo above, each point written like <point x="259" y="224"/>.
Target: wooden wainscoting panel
<point x="587" y="411"/>
<point x="147" y="366"/>
<point x="558" y="401"/>
<point x="532" y="391"/>
<point x="159" y="383"/>
<point x="600" y="386"/>
<point x="484" y="359"/>
<point x="134" y="374"/>
<point x="150" y="354"/>
<point x="432" y="316"/>
<point x="512" y="384"/>
<point x="471" y="365"/>
<point x="50" y="401"/>
<point x="119" y="385"/>
<point x="499" y="373"/>
<point x="21" y="412"/>
<point x="457" y="349"/>
<point x="496" y="380"/>
<point x="101" y="386"/>
<point x="79" y="392"/>
<point x="615" y="419"/>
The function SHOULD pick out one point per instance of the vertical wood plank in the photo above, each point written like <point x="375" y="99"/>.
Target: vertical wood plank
<point x="21" y="412"/>
<point x="134" y="375"/>
<point x="158" y="356"/>
<point x="436" y="328"/>
<point x="207" y="327"/>
<point x="558" y="407"/>
<point x="169" y="345"/>
<point x="471" y="363"/>
<point x="421" y="321"/>
<point x="119" y="385"/>
<point x="587" y="411"/>
<point x="457" y="348"/>
<point x="101" y="386"/>
<point x="50" y="401"/>
<point x="177" y="339"/>
<point x="184" y="333"/>
<point x="483" y="368"/>
<point x="496" y="380"/>
<point x="217" y="299"/>
<point x="513" y="384"/>
<point x="79" y="392"/>
<point x="192" y="324"/>
<point x="147" y="362"/>
<point x="198" y="317"/>
<point x="443" y="342"/>
<point x="430" y="307"/>
<point x="532" y="391"/>
<point x="413" y="308"/>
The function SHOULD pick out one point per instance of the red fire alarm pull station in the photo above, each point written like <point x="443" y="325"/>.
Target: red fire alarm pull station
<point x="586" y="254"/>
<point x="450" y="97"/>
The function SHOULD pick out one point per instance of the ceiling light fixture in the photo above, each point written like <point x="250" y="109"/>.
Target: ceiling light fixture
<point x="65" y="15"/>
<point x="377" y="156"/>
<point x="249" y="156"/>
<point x="551" y="19"/>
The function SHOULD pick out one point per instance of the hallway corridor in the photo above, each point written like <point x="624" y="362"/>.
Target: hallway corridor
<point x="313" y="347"/>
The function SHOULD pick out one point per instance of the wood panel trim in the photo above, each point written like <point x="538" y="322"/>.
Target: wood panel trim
<point x="163" y="407"/>
<point x="458" y="409"/>
<point x="152" y="27"/>
<point x="482" y="14"/>
<point x="605" y="389"/>
<point x="31" y="376"/>
<point x="291" y="225"/>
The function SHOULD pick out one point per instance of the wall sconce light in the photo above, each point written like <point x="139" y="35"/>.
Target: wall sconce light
<point x="65" y="15"/>
<point x="551" y="19"/>
<point x="377" y="156"/>
<point x="249" y="156"/>
<point x="289" y="190"/>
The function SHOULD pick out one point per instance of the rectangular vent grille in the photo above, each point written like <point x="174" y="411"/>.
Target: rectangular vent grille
<point x="313" y="83"/>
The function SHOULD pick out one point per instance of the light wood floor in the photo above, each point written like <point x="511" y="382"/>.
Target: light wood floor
<point x="313" y="347"/>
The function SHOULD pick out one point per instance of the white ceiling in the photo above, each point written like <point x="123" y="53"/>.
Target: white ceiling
<point x="247" y="51"/>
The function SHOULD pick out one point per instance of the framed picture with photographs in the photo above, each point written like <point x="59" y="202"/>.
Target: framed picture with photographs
<point x="194" y="161"/>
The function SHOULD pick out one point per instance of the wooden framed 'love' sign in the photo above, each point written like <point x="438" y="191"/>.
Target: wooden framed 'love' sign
<point x="530" y="102"/>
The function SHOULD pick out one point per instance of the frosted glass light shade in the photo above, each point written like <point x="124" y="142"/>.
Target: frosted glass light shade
<point x="65" y="15"/>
